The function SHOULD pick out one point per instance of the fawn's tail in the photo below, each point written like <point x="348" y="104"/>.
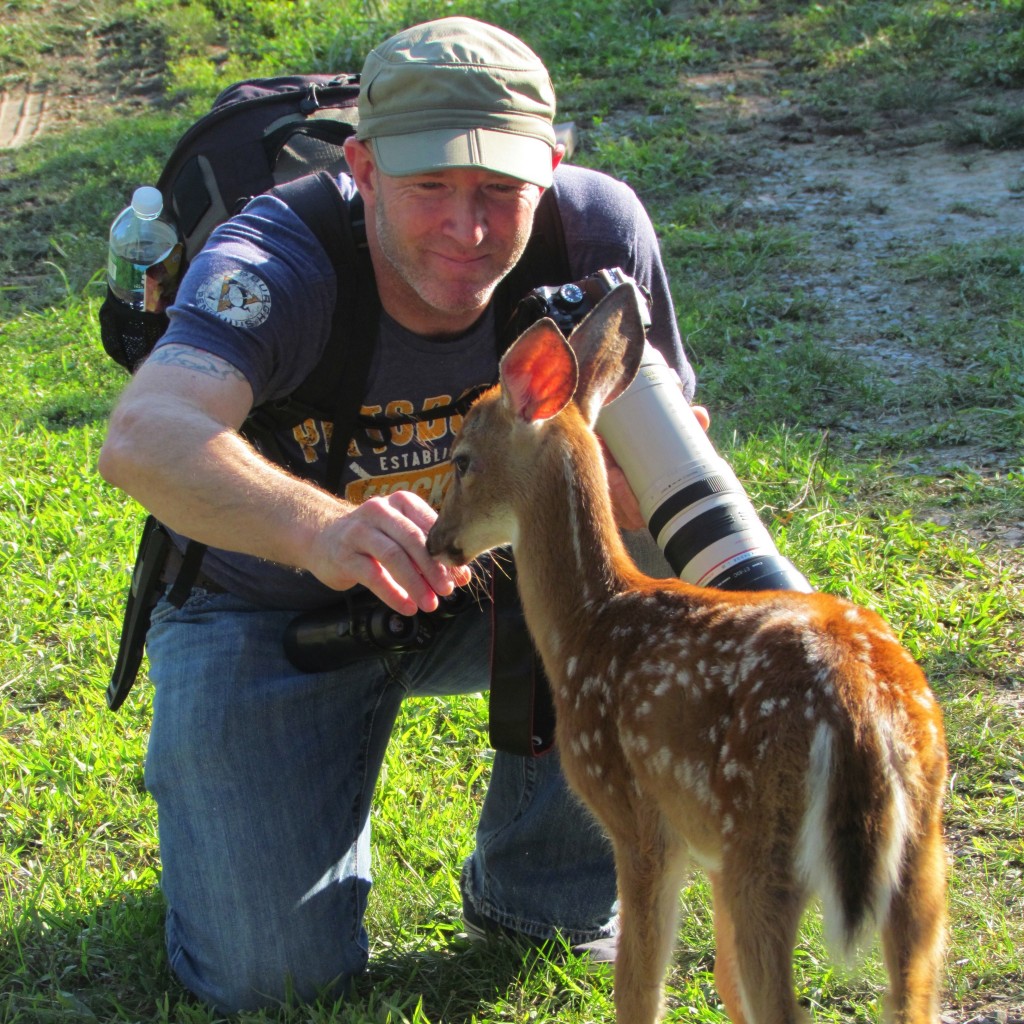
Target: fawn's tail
<point x="855" y="831"/>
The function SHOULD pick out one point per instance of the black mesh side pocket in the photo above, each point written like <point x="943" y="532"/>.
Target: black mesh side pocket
<point x="128" y="335"/>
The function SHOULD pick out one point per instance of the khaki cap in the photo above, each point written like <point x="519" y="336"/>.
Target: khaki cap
<point x="458" y="93"/>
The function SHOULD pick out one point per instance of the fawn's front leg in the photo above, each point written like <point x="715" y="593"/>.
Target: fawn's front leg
<point x="651" y="864"/>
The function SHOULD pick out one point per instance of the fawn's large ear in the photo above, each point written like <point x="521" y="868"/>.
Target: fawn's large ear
<point x="538" y="373"/>
<point x="609" y="344"/>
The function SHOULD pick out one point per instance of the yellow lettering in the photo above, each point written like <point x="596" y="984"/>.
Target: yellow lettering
<point x="308" y="437"/>
<point x="429" y="485"/>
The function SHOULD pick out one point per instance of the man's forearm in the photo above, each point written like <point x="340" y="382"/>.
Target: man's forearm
<point x="205" y="481"/>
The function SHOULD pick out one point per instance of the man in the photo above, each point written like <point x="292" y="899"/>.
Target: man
<point x="263" y="774"/>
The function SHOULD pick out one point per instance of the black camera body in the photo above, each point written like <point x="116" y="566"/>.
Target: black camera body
<point x="568" y="304"/>
<point x="362" y="626"/>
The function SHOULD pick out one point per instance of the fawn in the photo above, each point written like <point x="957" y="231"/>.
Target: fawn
<point x="784" y="741"/>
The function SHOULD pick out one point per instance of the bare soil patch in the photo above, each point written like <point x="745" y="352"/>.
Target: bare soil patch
<point x="23" y="113"/>
<point x="863" y="201"/>
<point x="83" y="74"/>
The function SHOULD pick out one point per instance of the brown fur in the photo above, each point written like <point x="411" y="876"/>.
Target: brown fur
<point x="785" y="742"/>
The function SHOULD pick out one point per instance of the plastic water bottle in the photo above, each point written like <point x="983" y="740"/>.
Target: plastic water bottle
<point x="145" y="254"/>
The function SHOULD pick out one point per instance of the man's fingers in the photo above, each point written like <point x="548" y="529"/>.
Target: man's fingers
<point x="382" y="545"/>
<point x="404" y="521"/>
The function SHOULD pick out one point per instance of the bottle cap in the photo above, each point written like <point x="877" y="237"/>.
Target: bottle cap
<point x="147" y="202"/>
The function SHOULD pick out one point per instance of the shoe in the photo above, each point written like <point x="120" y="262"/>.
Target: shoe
<point x="601" y="950"/>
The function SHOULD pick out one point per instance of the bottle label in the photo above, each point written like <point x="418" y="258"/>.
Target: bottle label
<point x="155" y="284"/>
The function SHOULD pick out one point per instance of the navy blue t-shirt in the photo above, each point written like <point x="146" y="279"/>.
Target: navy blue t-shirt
<point x="261" y="295"/>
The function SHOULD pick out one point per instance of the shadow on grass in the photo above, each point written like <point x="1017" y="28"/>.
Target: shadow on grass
<point x="108" y="963"/>
<point x="102" y="962"/>
<point x="469" y="982"/>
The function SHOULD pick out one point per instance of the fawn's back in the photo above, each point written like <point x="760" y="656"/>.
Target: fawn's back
<point x="734" y="712"/>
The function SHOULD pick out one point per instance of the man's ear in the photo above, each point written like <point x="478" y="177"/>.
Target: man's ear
<point x="362" y="164"/>
<point x="556" y="158"/>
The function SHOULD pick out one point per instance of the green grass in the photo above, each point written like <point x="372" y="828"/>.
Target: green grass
<point x="868" y="515"/>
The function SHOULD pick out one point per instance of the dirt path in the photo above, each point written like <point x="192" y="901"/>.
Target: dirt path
<point x="22" y="115"/>
<point x="864" y="202"/>
<point x="81" y="73"/>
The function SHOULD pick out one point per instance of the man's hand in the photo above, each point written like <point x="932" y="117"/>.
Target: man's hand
<point x="382" y="545"/>
<point x="624" y="503"/>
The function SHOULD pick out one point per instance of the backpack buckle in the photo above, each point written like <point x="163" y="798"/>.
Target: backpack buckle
<point x="309" y="102"/>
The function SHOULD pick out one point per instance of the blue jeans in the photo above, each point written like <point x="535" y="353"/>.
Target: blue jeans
<point x="263" y="777"/>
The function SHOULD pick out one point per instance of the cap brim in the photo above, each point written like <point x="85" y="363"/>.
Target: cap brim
<point x="519" y="156"/>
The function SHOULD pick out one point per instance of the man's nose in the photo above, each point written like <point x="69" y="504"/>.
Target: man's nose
<point x="466" y="220"/>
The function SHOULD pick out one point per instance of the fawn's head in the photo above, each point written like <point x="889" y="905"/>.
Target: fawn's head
<point x="542" y="376"/>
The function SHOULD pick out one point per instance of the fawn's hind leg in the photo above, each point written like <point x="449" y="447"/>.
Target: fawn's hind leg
<point x="756" y="921"/>
<point x="651" y="864"/>
<point x="726" y="972"/>
<point x="913" y="934"/>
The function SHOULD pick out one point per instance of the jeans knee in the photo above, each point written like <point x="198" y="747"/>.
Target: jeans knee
<point x="239" y="979"/>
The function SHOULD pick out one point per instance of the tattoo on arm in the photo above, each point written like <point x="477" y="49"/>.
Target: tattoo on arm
<point x="197" y="360"/>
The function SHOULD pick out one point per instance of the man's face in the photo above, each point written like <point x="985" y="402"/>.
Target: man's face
<point x="443" y="240"/>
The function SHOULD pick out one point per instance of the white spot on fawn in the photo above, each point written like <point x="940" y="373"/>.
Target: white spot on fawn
<point x="695" y="777"/>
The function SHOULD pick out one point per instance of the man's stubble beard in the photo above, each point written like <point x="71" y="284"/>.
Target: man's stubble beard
<point x="439" y="295"/>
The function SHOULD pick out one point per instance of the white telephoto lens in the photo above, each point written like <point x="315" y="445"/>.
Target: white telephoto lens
<point x="695" y="507"/>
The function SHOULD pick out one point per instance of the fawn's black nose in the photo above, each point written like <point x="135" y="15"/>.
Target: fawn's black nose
<point x="438" y="547"/>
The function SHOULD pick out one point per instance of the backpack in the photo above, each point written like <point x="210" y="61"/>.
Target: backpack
<point x="257" y="134"/>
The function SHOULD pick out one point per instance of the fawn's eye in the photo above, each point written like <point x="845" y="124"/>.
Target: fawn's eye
<point x="460" y="464"/>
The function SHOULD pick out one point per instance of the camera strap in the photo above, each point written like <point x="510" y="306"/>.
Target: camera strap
<point x="522" y="716"/>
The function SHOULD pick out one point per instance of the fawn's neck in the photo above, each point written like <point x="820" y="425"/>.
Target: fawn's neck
<point x="570" y="558"/>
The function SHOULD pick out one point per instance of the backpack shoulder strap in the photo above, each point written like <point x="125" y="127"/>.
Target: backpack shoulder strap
<point x="521" y="711"/>
<point x="318" y="202"/>
<point x="545" y="261"/>
<point x="340" y="227"/>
